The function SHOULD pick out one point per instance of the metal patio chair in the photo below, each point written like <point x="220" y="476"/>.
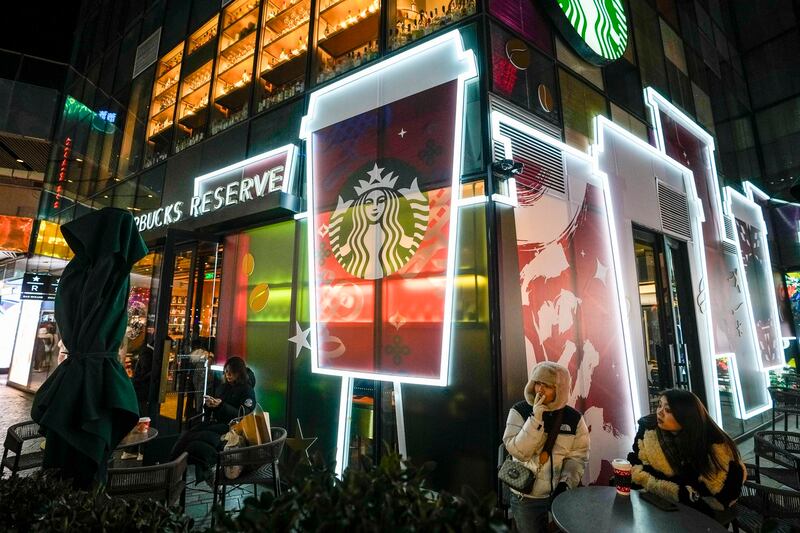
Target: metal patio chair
<point x="260" y="463"/>
<point x="164" y="482"/>
<point x="24" y="442"/>
<point x="787" y="402"/>
<point x="779" y="447"/>
<point x="762" y="508"/>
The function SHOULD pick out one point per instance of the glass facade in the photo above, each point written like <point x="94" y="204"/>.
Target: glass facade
<point x="233" y="81"/>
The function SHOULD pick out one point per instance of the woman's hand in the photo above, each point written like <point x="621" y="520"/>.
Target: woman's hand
<point x="538" y="406"/>
<point x="212" y="402"/>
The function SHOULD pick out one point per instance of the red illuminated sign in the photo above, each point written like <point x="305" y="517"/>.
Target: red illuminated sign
<point x="62" y="172"/>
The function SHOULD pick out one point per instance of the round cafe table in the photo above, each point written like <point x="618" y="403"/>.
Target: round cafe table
<point x="599" y="509"/>
<point x="135" y="438"/>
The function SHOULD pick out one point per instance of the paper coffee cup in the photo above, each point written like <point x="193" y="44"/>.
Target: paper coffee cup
<point x="143" y="425"/>
<point x="622" y="476"/>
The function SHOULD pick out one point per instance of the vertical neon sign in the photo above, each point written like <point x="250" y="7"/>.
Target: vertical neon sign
<point x="62" y="172"/>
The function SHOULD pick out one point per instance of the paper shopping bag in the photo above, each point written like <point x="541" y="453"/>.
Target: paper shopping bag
<point x="255" y="427"/>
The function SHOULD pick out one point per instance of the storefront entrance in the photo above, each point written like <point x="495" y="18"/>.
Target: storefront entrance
<point x="185" y="327"/>
<point x="671" y="347"/>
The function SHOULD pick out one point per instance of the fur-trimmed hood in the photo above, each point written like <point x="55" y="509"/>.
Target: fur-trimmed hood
<point x="552" y="374"/>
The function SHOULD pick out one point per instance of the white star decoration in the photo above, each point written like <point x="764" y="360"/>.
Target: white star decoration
<point x="375" y="173"/>
<point x="402" y="133"/>
<point x="397" y="320"/>
<point x="300" y="339"/>
<point x="601" y="272"/>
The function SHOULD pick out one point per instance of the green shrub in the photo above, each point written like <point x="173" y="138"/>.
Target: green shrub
<point x="43" y="502"/>
<point x="388" y="497"/>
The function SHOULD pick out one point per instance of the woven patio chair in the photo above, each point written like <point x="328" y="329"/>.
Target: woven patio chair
<point x="24" y="442"/>
<point x="164" y="482"/>
<point x="779" y="447"/>
<point x="787" y="402"/>
<point x="762" y="508"/>
<point x="259" y="463"/>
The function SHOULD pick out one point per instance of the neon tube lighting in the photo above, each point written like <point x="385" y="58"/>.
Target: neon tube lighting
<point x="468" y="70"/>
<point x="287" y="173"/>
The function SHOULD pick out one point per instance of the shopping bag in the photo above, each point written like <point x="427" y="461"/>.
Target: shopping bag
<point x="255" y="427"/>
<point x="233" y="439"/>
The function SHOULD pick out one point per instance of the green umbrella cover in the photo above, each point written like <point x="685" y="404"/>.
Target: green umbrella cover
<point x="88" y="404"/>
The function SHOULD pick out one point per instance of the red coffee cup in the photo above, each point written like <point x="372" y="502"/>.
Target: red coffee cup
<point x="143" y="425"/>
<point x="622" y="476"/>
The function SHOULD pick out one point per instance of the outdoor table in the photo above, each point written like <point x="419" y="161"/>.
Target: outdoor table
<point x="135" y="438"/>
<point x="597" y="509"/>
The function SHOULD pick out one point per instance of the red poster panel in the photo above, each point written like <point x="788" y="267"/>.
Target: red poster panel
<point x="382" y="169"/>
<point x="15" y="233"/>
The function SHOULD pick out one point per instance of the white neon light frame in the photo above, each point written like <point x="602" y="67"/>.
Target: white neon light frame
<point x="466" y="58"/>
<point x="290" y="150"/>
<point x="656" y="103"/>
<point x="496" y="118"/>
<point x="732" y="195"/>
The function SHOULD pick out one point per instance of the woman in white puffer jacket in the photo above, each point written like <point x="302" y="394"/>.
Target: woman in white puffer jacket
<point x="529" y="423"/>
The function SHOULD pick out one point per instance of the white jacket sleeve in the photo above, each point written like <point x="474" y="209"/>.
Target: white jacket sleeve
<point x="523" y="438"/>
<point x="576" y="458"/>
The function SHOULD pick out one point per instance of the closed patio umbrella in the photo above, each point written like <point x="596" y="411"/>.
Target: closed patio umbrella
<point x="88" y="404"/>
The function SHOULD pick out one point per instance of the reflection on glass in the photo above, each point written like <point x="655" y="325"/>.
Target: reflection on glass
<point x="284" y="51"/>
<point x="193" y="108"/>
<point x="657" y="379"/>
<point x="347" y="35"/>
<point x="237" y="45"/>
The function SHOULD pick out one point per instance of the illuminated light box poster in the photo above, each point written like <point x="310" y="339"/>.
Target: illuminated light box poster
<point x="15" y="233"/>
<point x="754" y="249"/>
<point x="383" y="169"/>
<point x="689" y="145"/>
<point x="571" y="307"/>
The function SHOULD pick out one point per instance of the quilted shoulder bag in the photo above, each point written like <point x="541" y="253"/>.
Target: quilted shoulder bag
<point x="516" y="475"/>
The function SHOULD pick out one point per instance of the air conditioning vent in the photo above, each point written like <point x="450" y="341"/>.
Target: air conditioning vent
<point x="674" y="212"/>
<point x="730" y="233"/>
<point x="544" y="164"/>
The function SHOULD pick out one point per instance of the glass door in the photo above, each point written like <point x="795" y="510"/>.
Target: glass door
<point x="185" y="326"/>
<point x="667" y="313"/>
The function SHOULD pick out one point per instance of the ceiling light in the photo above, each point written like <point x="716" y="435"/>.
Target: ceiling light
<point x="20" y="160"/>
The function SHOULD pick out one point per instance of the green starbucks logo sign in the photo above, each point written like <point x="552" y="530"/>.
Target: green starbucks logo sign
<point x="596" y="29"/>
<point x="379" y="224"/>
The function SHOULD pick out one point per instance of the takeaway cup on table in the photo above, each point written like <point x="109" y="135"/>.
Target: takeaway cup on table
<point x="143" y="425"/>
<point x="622" y="476"/>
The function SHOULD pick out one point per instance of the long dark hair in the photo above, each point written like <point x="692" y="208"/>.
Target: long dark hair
<point x="698" y="432"/>
<point x="238" y="368"/>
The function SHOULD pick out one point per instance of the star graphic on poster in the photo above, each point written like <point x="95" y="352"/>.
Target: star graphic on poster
<point x="35" y="278"/>
<point x="397" y="320"/>
<point x="375" y="174"/>
<point x="402" y="133"/>
<point x="601" y="272"/>
<point x="583" y="253"/>
<point x="300" y="339"/>
<point x="299" y="444"/>
<point x="323" y="230"/>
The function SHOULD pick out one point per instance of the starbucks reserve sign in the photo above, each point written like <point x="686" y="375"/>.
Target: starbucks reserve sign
<point x="596" y="29"/>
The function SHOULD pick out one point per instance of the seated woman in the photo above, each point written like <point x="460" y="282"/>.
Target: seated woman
<point x="232" y="397"/>
<point x="682" y="455"/>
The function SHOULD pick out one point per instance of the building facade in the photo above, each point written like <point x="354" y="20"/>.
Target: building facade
<point x="393" y="209"/>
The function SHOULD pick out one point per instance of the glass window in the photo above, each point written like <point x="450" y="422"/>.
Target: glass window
<point x="347" y="35"/>
<point x="624" y="86"/>
<point x="127" y="55"/>
<point x="523" y="75"/>
<point x="525" y="17"/>
<point x="650" y="53"/>
<point x="411" y="20"/>
<point x="162" y="108"/>
<point x="151" y="185"/>
<point x="234" y="75"/>
<point x="284" y="51"/>
<point x="580" y="104"/>
<point x="569" y="58"/>
<point x="629" y="122"/>
<point x="277" y="128"/>
<point x="772" y="70"/>
<point x="195" y="87"/>
<point x="702" y="106"/>
<point x="125" y="194"/>
<point x="673" y="47"/>
<point x="135" y="122"/>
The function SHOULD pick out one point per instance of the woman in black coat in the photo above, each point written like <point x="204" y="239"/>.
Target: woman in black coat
<point x="233" y="397"/>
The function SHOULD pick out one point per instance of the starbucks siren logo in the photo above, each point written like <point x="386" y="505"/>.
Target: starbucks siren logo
<point x="597" y="29"/>
<point x="378" y="229"/>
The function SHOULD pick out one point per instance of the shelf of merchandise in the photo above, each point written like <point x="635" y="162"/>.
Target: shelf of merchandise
<point x="237" y="46"/>
<point x="350" y="24"/>
<point x="203" y="36"/>
<point x="194" y="99"/>
<point x="165" y="92"/>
